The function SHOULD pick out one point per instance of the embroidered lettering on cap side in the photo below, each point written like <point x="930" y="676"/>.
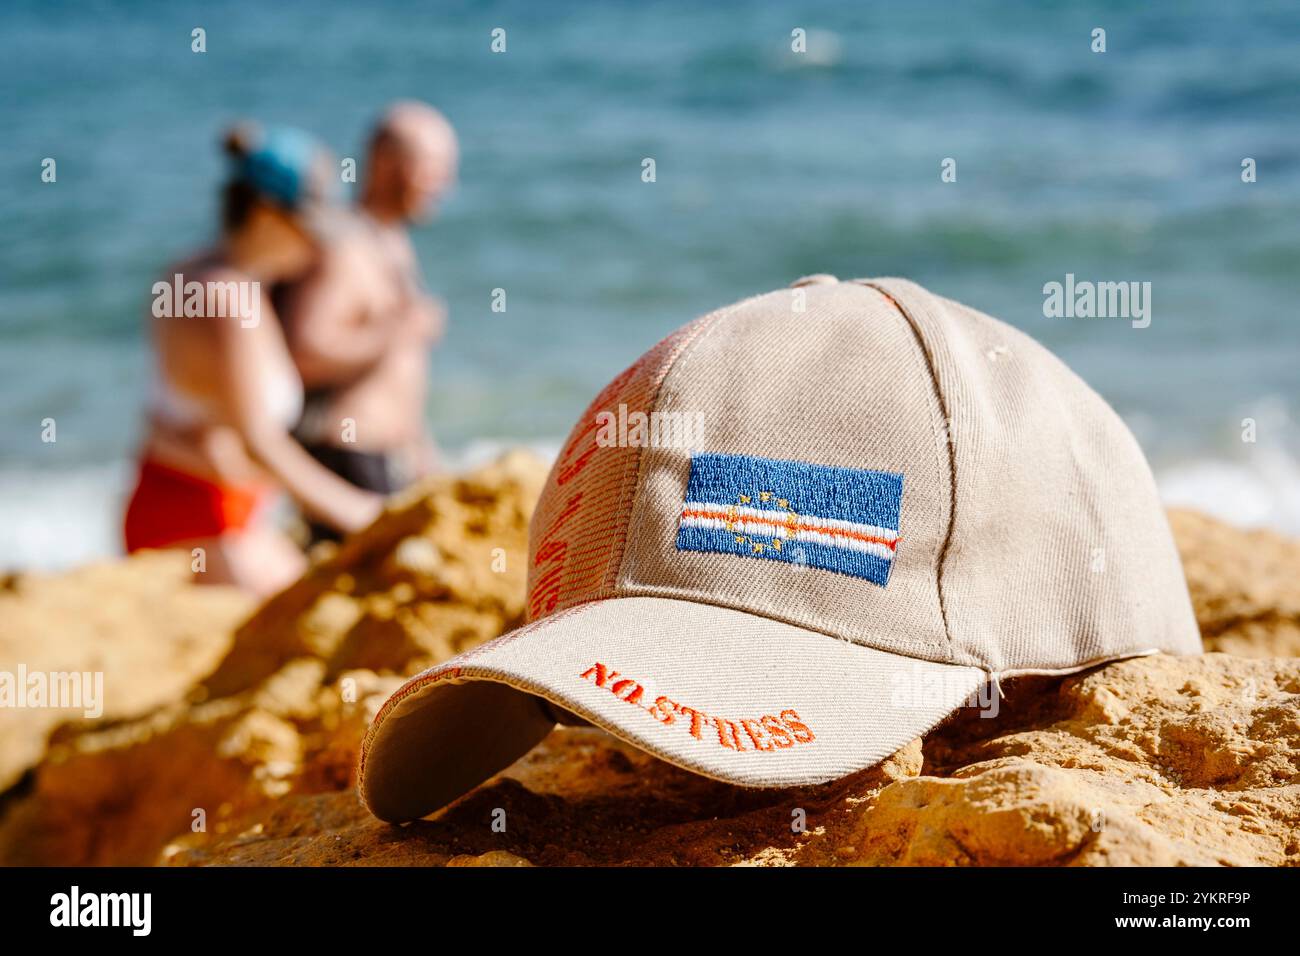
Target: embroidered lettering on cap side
<point x="838" y="519"/>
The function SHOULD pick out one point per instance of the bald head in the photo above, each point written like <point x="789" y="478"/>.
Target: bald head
<point x="413" y="161"/>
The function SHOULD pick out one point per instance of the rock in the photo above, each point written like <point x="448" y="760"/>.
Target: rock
<point x="442" y="569"/>
<point x="286" y="707"/>
<point x="1203" y="769"/>
<point x="1245" y="585"/>
<point x="139" y="621"/>
<point x="1200" y="766"/>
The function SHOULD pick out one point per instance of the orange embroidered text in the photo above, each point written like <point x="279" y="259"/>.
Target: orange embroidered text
<point x="767" y="733"/>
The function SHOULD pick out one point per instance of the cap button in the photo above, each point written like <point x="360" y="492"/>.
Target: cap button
<point x="820" y="278"/>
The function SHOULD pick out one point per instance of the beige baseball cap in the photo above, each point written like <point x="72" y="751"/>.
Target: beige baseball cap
<point x="797" y="534"/>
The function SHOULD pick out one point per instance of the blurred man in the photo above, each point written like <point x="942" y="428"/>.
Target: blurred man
<point x="360" y="325"/>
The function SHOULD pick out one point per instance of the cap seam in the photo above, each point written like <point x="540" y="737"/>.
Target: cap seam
<point x="1011" y="672"/>
<point x="610" y="582"/>
<point x="948" y="441"/>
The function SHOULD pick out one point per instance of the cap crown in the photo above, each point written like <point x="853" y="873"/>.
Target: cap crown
<point x="1030" y="534"/>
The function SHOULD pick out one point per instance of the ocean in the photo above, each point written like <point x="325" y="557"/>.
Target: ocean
<point x="1122" y="166"/>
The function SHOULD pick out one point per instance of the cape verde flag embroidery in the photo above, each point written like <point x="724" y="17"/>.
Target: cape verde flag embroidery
<point x="838" y="519"/>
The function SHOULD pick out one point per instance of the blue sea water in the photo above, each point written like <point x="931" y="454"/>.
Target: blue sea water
<point x="1115" y="166"/>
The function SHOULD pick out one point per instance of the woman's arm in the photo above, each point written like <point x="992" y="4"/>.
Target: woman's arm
<point x="322" y="493"/>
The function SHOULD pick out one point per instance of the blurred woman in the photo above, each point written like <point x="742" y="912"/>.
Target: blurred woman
<point x="226" y="393"/>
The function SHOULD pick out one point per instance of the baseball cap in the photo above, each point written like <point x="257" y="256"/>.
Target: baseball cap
<point x="797" y="534"/>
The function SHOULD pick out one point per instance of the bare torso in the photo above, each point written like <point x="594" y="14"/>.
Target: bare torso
<point x="189" y="425"/>
<point x="378" y="407"/>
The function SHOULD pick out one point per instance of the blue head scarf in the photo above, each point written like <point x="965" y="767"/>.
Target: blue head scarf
<point x="279" y="166"/>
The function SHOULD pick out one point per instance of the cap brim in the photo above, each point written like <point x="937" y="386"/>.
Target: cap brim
<point x="737" y="697"/>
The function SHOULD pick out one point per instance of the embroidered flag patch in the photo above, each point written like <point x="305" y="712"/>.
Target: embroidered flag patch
<point x="837" y="519"/>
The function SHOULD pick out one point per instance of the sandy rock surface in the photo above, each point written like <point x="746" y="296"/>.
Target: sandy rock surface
<point x="1147" y="762"/>
<point x="249" y="758"/>
<point x="135" y="621"/>
<point x="1245" y="585"/>
<point x="284" y="703"/>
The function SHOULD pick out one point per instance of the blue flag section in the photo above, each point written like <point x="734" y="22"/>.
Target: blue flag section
<point x="838" y="519"/>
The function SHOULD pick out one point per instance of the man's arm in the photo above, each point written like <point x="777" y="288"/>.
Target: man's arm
<point x="331" y="332"/>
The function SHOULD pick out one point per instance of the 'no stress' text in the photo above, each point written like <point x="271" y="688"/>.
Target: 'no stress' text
<point x="766" y="733"/>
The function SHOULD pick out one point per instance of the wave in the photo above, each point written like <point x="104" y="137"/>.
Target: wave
<point x="1263" y="492"/>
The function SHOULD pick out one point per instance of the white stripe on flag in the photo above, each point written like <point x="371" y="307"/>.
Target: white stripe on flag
<point x="771" y="516"/>
<point x="768" y="529"/>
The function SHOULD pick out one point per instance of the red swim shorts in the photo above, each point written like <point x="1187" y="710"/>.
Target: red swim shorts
<point x="171" y="506"/>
